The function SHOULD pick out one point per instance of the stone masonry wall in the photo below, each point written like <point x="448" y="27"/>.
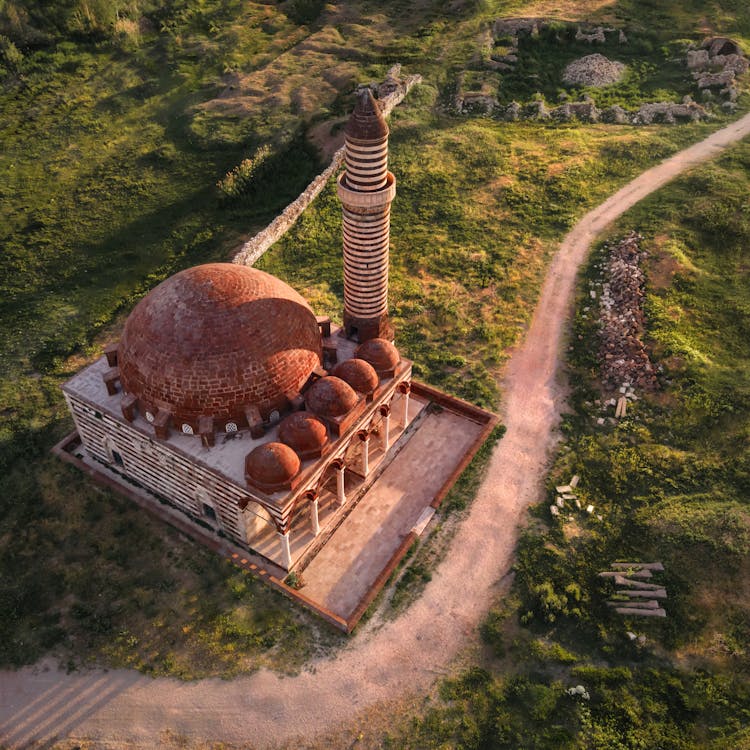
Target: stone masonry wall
<point x="185" y="484"/>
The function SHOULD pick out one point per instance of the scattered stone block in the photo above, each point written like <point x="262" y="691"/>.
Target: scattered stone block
<point x="651" y="594"/>
<point x="654" y="566"/>
<point x="641" y="612"/>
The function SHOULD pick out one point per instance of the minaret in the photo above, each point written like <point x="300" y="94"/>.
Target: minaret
<point x="366" y="189"/>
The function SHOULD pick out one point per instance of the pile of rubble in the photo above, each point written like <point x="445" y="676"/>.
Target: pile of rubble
<point x="715" y="67"/>
<point x="622" y="355"/>
<point x="593" y="70"/>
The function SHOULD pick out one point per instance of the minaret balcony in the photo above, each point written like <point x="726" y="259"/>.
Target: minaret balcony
<point x="371" y="199"/>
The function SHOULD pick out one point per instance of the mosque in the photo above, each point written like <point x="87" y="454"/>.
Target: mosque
<point x="228" y="399"/>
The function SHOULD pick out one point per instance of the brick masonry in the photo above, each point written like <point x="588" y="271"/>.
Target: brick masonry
<point x="214" y="339"/>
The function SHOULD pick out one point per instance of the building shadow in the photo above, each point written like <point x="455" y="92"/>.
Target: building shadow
<point x="64" y="705"/>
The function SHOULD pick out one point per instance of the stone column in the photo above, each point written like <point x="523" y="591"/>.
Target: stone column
<point x="405" y="389"/>
<point x="340" y="486"/>
<point x="365" y="454"/>
<point x="385" y="410"/>
<point x="314" y="516"/>
<point x="286" y="549"/>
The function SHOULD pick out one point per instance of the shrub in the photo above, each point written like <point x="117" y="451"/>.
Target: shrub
<point x="244" y="178"/>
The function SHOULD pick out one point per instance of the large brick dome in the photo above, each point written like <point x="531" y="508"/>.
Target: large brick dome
<point x="212" y="340"/>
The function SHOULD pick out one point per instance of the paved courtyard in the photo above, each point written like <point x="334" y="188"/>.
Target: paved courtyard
<point x="345" y="569"/>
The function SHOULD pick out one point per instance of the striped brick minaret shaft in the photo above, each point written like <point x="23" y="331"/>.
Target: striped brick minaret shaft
<point x="366" y="189"/>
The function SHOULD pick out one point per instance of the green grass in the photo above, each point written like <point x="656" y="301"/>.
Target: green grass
<point x="479" y="209"/>
<point x="110" y="156"/>
<point x="671" y="483"/>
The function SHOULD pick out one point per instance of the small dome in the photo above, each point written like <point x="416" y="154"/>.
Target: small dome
<point x="330" y="397"/>
<point x="304" y="433"/>
<point x="358" y="373"/>
<point x="380" y="353"/>
<point x="271" y="466"/>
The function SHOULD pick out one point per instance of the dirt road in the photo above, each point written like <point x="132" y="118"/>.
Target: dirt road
<point x="124" y="709"/>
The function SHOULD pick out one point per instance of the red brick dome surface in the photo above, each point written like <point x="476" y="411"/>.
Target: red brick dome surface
<point x="271" y="466"/>
<point x="216" y="338"/>
<point x="303" y="432"/>
<point x="359" y="374"/>
<point x="380" y="353"/>
<point x="330" y="397"/>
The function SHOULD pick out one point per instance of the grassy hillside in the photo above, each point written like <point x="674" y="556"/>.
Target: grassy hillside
<point x="670" y="482"/>
<point x="114" y="133"/>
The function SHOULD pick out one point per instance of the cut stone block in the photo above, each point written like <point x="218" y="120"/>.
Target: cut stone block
<point x="660" y="594"/>
<point x="641" y="612"/>
<point x="656" y="566"/>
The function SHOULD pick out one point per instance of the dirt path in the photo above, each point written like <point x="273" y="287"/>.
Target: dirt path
<point x="125" y="709"/>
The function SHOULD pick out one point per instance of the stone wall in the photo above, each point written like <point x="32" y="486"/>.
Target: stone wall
<point x="391" y="92"/>
<point x="159" y="469"/>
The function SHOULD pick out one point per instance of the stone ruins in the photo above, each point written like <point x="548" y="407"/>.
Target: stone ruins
<point x="714" y="67"/>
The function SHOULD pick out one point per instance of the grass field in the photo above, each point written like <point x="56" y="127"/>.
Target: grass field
<point x="113" y="138"/>
<point x="670" y="482"/>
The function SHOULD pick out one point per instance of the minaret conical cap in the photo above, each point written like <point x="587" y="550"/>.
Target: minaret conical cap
<point x="367" y="122"/>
